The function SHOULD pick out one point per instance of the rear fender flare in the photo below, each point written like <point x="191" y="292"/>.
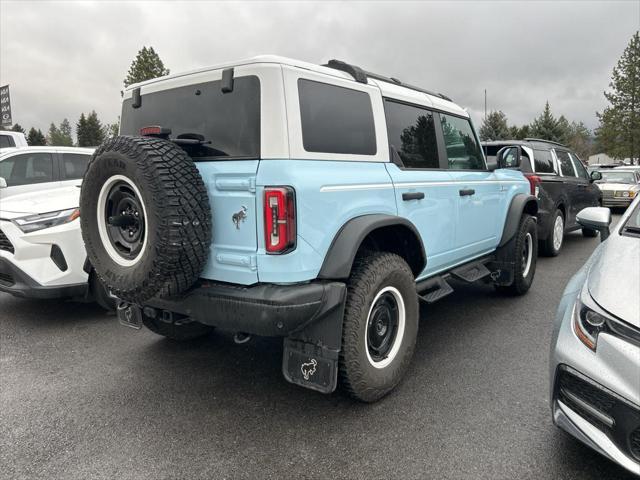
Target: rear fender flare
<point x="521" y="203"/>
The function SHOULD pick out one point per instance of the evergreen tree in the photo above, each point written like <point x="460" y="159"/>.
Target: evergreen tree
<point x="145" y="66"/>
<point x="60" y="136"/>
<point x="111" y="129"/>
<point x="619" y="129"/>
<point x="36" y="138"/>
<point x="579" y="140"/>
<point x="89" y="130"/>
<point x="18" y="128"/>
<point x="547" y="127"/>
<point x="494" y="127"/>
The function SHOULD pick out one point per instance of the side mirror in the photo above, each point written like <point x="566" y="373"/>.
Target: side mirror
<point x="3" y="183"/>
<point x="508" y="157"/>
<point x="596" y="218"/>
<point x="595" y="176"/>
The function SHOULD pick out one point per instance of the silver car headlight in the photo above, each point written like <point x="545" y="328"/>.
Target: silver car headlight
<point x="589" y="320"/>
<point x="40" y="221"/>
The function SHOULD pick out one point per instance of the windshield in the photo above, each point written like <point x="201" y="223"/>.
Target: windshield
<point x="226" y="125"/>
<point x="617" y="177"/>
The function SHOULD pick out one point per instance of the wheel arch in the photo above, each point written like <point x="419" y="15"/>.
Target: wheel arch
<point x="521" y="203"/>
<point x="377" y="232"/>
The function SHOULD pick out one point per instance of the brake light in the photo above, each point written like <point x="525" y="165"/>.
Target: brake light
<point x="534" y="183"/>
<point x="155" y="131"/>
<point x="279" y="219"/>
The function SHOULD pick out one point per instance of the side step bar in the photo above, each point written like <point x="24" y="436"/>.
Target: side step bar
<point x="435" y="288"/>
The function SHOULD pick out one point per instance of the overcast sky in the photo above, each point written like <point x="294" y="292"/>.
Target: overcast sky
<point x="64" y="58"/>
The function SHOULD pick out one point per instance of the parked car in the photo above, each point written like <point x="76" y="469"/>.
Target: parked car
<point x="619" y="186"/>
<point x="9" y="139"/>
<point x="41" y="250"/>
<point x="595" y="354"/>
<point x="32" y="169"/>
<point x="561" y="183"/>
<point x="316" y="203"/>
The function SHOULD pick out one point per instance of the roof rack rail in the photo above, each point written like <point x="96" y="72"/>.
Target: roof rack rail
<point x="361" y="76"/>
<point x="531" y="139"/>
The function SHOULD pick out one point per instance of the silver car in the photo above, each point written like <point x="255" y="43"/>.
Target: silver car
<point x="619" y="186"/>
<point x="595" y="352"/>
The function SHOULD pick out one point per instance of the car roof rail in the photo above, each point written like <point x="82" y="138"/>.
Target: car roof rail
<point x="531" y="139"/>
<point x="360" y="76"/>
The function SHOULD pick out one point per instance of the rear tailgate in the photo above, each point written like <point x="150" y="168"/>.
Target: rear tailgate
<point x="231" y="185"/>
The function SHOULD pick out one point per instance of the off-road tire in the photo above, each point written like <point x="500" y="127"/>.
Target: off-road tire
<point x="547" y="248"/>
<point x="178" y="217"/>
<point x="521" y="283"/>
<point x="371" y="273"/>
<point x="180" y="332"/>
<point x="589" y="233"/>
<point x="100" y="294"/>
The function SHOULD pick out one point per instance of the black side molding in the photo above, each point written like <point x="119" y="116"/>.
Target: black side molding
<point x="519" y="204"/>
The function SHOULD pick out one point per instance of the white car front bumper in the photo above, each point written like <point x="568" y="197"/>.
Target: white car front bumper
<point x="44" y="264"/>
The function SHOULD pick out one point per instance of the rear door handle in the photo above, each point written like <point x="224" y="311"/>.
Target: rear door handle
<point x="412" y="196"/>
<point x="467" y="191"/>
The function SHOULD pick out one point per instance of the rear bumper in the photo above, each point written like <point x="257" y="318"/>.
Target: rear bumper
<point x="264" y="309"/>
<point x="18" y="283"/>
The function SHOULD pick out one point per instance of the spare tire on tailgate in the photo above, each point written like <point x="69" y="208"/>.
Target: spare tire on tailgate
<point x="145" y="218"/>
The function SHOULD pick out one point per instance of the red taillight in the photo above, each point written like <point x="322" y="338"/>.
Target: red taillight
<point x="155" y="131"/>
<point x="534" y="183"/>
<point x="279" y="219"/>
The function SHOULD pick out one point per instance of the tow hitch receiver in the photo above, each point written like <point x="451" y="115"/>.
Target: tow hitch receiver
<point x="129" y="315"/>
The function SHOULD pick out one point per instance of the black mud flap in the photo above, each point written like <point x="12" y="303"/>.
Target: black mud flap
<point x="503" y="267"/>
<point x="311" y="355"/>
<point x="129" y="315"/>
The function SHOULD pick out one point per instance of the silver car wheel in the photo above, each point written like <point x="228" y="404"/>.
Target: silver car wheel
<point x="527" y="255"/>
<point x="558" y="232"/>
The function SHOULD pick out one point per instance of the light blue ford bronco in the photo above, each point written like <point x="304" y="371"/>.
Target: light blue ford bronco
<point x="320" y="204"/>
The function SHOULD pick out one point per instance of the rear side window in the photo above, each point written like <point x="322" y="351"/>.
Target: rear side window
<point x="412" y="135"/>
<point x="74" y="164"/>
<point x="27" y="169"/>
<point x="566" y="167"/>
<point x="543" y="161"/>
<point x="6" y="141"/>
<point x="582" y="172"/>
<point x="336" y="119"/>
<point x="463" y="149"/>
<point x="227" y="123"/>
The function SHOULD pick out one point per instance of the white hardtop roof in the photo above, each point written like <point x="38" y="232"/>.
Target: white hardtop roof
<point x="387" y="89"/>
<point x="45" y="149"/>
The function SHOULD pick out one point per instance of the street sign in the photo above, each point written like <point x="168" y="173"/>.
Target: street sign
<point x="5" y="106"/>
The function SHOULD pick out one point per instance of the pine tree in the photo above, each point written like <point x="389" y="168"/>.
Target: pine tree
<point x="145" y="66"/>
<point x="619" y="130"/>
<point x="18" y="128"/>
<point x="60" y="136"/>
<point x="111" y="130"/>
<point x="36" y="138"/>
<point x="494" y="127"/>
<point x="547" y="127"/>
<point x="89" y="130"/>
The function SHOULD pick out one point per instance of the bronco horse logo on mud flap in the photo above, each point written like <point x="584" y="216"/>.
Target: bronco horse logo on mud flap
<point x="309" y="369"/>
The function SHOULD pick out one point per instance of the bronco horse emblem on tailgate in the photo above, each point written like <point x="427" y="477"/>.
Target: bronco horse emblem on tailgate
<point x="240" y="216"/>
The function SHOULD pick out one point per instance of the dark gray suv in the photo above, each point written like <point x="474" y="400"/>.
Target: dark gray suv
<point x="559" y="180"/>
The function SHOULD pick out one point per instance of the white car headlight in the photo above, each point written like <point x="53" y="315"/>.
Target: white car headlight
<point x="39" y="221"/>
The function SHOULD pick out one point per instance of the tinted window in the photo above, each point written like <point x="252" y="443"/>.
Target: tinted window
<point x="463" y="149"/>
<point x="412" y="134"/>
<point x="229" y="123"/>
<point x="582" y="171"/>
<point x="6" y="141"/>
<point x="75" y="165"/>
<point x="27" y="169"/>
<point x="566" y="166"/>
<point x="336" y="119"/>
<point x="543" y="161"/>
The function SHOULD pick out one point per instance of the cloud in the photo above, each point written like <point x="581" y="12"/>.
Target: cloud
<point x="64" y="58"/>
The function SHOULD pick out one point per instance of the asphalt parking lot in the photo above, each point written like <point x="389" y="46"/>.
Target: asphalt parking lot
<point x="83" y="397"/>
